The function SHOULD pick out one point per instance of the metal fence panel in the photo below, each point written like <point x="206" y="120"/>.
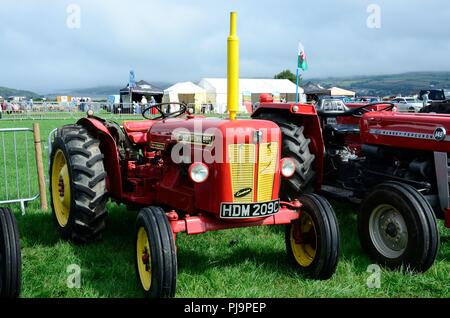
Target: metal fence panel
<point x="68" y="110"/>
<point x="18" y="179"/>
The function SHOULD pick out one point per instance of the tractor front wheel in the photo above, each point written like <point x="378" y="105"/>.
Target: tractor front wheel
<point x="156" y="259"/>
<point x="10" y="256"/>
<point x="78" y="184"/>
<point x="397" y="227"/>
<point x="312" y="242"/>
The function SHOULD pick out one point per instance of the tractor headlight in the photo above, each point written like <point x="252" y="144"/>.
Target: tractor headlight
<point x="198" y="172"/>
<point x="287" y="167"/>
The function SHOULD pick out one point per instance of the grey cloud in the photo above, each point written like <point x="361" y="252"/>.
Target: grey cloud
<point x="186" y="40"/>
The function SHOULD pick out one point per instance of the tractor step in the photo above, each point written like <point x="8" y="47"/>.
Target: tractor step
<point x="339" y="193"/>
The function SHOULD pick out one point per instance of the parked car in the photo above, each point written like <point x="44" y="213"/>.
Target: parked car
<point x="407" y="104"/>
<point x="331" y="104"/>
<point x="367" y="99"/>
<point x="345" y="99"/>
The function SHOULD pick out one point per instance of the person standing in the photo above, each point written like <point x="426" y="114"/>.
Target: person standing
<point x="152" y="102"/>
<point x="138" y="109"/>
<point x="144" y="101"/>
<point x="425" y="98"/>
<point x="2" y="108"/>
<point x="82" y="104"/>
<point x="9" y="108"/>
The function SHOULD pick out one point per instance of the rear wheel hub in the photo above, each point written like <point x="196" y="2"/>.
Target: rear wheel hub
<point x="391" y="230"/>
<point x="61" y="195"/>
<point x="388" y="231"/>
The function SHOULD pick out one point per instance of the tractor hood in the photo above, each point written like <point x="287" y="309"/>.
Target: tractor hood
<point x="204" y="132"/>
<point x="430" y="132"/>
<point x="243" y="158"/>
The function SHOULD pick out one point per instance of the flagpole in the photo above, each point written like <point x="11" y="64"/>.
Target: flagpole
<point x="301" y="64"/>
<point x="131" y="92"/>
<point x="296" y="88"/>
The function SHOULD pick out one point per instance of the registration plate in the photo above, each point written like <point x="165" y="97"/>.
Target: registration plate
<point x="331" y="121"/>
<point x="249" y="210"/>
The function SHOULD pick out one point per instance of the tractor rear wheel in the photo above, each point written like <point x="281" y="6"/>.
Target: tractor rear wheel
<point x="10" y="256"/>
<point x="312" y="242"/>
<point x="156" y="258"/>
<point x="397" y="227"/>
<point x="296" y="146"/>
<point x="78" y="184"/>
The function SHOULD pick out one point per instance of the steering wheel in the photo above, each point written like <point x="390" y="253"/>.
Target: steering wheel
<point x="163" y="114"/>
<point x="359" y="111"/>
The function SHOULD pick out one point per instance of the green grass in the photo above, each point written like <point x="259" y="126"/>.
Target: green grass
<point x="248" y="262"/>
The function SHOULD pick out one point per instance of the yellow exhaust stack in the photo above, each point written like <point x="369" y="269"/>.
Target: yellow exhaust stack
<point x="233" y="69"/>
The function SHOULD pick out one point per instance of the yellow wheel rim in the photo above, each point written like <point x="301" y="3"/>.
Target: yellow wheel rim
<point x="144" y="259"/>
<point x="303" y="239"/>
<point x="61" y="188"/>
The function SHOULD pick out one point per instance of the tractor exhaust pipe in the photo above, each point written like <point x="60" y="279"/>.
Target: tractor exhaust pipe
<point x="233" y="69"/>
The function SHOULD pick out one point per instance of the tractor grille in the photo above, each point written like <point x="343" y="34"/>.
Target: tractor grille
<point x="268" y="153"/>
<point x="242" y="165"/>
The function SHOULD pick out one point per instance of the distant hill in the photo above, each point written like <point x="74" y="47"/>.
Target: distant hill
<point x="385" y="85"/>
<point x="377" y="85"/>
<point x="100" y="92"/>
<point x="6" y="92"/>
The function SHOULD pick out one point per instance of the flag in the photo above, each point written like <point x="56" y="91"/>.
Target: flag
<point x="132" y="80"/>
<point x="302" y="63"/>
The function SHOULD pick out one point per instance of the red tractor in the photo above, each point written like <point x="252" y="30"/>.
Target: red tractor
<point x="395" y="166"/>
<point x="187" y="174"/>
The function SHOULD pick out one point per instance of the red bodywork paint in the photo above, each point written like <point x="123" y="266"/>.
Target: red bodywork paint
<point x="157" y="180"/>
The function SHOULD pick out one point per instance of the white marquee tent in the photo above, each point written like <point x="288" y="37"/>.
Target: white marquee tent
<point x="249" y="91"/>
<point x="186" y="92"/>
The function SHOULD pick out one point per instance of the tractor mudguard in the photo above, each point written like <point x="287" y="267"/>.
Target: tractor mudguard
<point x="109" y="149"/>
<point x="302" y="115"/>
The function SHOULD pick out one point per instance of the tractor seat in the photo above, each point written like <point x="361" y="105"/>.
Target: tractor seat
<point x="344" y="128"/>
<point x="137" y="130"/>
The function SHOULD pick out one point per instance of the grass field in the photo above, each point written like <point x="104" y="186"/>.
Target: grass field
<point x="247" y="262"/>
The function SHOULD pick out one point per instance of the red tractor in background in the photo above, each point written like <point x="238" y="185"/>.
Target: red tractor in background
<point x="394" y="165"/>
<point x="187" y="174"/>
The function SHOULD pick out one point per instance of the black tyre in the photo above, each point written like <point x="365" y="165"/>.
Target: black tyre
<point x="156" y="259"/>
<point x="10" y="256"/>
<point x="296" y="146"/>
<point x="397" y="227"/>
<point x="78" y="185"/>
<point x="312" y="242"/>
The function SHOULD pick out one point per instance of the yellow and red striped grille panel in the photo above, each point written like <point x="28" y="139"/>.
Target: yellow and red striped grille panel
<point x="267" y="163"/>
<point x="242" y="164"/>
<point x="243" y="159"/>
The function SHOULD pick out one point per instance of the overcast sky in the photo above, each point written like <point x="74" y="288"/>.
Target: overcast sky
<point x="176" y="40"/>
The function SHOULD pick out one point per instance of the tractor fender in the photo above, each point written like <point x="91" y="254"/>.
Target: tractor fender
<point x="302" y="115"/>
<point x="109" y="150"/>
